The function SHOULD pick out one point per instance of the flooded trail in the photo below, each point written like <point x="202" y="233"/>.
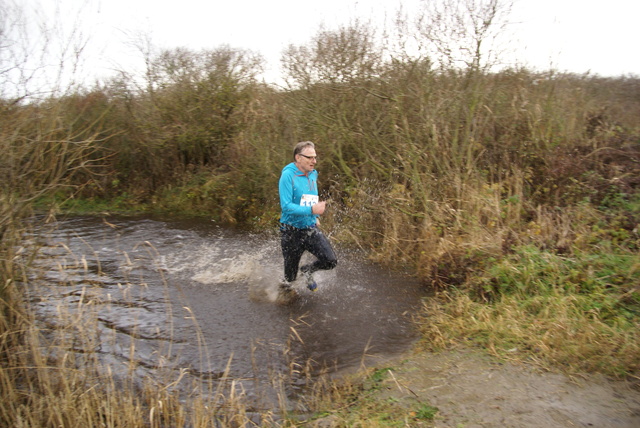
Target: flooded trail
<point x="185" y="302"/>
<point x="187" y="295"/>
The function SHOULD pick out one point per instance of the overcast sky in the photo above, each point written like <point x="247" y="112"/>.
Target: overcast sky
<point x="567" y="35"/>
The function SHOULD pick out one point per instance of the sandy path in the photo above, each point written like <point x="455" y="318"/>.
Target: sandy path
<point x="472" y="390"/>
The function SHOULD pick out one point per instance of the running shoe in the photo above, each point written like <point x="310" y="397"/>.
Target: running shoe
<point x="311" y="283"/>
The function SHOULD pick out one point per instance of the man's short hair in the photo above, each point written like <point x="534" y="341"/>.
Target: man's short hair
<point x="301" y="146"/>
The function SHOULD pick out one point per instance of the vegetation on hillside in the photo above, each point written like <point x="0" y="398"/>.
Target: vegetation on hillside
<point x="513" y="193"/>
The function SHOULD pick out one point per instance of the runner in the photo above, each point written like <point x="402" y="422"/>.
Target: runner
<point x="301" y="209"/>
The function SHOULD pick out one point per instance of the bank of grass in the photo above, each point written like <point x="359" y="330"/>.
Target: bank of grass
<point x="357" y="401"/>
<point x="576" y="308"/>
<point x="203" y="195"/>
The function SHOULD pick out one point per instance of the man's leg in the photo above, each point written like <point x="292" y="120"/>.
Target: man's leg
<point x="318" y="245"/>
<point x="292" y="249"/>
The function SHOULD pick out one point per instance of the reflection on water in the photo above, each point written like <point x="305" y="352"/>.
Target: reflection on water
<point x="190" y="295"/>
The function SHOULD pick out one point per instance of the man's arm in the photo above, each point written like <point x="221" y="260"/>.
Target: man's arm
<point x="285" y="188"/>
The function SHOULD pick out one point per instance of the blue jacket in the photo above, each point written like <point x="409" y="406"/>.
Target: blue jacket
<point x="298" y="193"/>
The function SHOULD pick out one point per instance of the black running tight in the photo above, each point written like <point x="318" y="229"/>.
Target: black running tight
<point x="296" y="241"/>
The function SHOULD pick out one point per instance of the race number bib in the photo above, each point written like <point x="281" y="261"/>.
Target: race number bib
<point x="309" y="200"/>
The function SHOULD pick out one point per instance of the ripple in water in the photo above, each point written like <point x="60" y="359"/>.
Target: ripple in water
<point x="188" y="295"/>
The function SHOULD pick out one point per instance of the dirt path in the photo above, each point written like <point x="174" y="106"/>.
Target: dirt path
<point x="472" y="390"/>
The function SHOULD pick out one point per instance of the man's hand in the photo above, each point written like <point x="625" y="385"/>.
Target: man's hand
<point x="319" y="208"/>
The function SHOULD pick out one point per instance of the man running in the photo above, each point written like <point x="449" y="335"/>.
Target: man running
<point x="301" y="209"/>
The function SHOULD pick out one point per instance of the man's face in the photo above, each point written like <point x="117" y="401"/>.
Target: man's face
<point x="306" y="160"/>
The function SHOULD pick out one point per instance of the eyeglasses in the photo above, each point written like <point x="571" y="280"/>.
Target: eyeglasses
<point x="309" y="157"/>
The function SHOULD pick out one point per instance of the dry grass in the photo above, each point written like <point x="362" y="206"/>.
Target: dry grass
<point x="554" y="332"/>
<point x="567" y="299"/>
<point x="57" y="379"/>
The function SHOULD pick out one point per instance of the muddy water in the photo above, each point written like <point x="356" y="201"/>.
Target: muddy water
<point x="191" y="297"/>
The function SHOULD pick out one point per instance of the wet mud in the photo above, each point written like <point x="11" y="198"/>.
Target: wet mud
<point x="473" y="390"/>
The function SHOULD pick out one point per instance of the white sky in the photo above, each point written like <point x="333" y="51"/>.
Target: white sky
<point x="566" y="35"/>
